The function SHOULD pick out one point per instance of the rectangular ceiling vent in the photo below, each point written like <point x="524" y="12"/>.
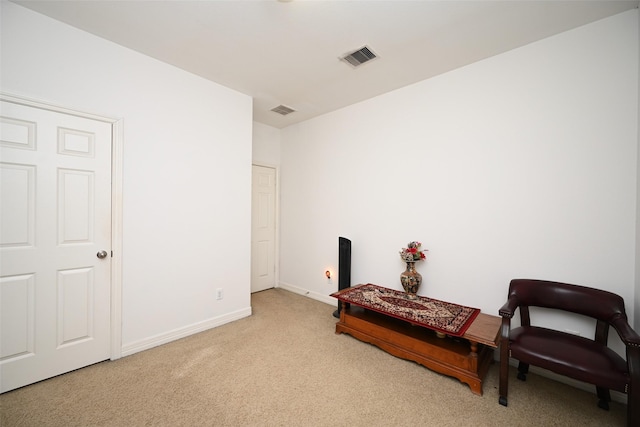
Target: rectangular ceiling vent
<point x="359" y="57"/>
<point x="283" y="110"/>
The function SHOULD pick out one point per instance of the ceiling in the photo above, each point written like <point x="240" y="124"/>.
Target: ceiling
<point x="287" y="52"/>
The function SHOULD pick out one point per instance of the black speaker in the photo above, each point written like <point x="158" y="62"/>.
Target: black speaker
<point x="344" y="268"/>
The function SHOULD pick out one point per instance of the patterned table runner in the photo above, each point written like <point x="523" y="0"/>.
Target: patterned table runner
<point x="446" y="317"/>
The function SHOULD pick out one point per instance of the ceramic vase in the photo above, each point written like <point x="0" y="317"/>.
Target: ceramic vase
<point x="411" y="280"/>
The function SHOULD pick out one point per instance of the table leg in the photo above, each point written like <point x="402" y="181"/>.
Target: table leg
<point x="474" y="348"/>
<point x="473" y="357"/>
<point x="344" y="308"/>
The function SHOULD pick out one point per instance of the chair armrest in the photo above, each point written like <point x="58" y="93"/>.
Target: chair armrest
<point x="632" y="342"/>
<point x="509" y="308"/>
<point x="626" y="333"/>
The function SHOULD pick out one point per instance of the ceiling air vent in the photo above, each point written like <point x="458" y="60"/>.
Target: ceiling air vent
<point x="283" y="110"/>
<point x="359" y="57"/>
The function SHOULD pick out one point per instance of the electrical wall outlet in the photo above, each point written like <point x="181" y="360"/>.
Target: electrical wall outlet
<point x="219" y="294"/>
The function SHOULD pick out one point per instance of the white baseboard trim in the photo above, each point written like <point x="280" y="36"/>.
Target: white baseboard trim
<point x="176" y="334"/>
<point x="313" y="295"/>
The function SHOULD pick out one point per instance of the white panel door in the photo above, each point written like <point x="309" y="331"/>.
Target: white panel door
<point x="263" y="228"/>
<point x="55" y="218"/>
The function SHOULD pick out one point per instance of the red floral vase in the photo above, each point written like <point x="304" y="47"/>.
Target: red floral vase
<point x="411" y="280"/>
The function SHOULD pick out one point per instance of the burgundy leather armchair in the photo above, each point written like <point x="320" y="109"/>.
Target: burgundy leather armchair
<point x="577" y="357"/>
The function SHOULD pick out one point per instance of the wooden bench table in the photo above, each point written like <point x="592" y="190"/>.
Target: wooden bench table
<point x="466" y="358"/>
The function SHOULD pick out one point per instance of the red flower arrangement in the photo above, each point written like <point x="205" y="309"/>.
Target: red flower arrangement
<point x="413" y="252"/>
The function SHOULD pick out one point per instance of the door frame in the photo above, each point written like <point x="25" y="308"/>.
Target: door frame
<point x="276" y="257"/>
<point x="117" y="139"/>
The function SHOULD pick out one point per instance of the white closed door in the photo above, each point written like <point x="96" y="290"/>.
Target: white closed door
<point x="263" y="228"/>
<point x="55" y="243"/>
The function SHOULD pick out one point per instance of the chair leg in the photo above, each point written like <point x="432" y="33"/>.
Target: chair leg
<point x="523" y="370"/>
<point x="633" y="409"/>
<point x="504" y="372"/>
<point x="604" y="397"/>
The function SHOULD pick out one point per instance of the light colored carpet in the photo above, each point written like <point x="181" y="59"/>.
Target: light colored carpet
<point x="284" y="366"/>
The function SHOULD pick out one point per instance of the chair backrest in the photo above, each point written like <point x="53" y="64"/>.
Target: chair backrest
<point x="596" y="303"/>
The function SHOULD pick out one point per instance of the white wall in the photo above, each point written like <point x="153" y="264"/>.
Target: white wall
<point x="187" y="170"/>
<point x="636" y="324"/>
<point x="266" y="145"/>
<point x="521" y="165"/>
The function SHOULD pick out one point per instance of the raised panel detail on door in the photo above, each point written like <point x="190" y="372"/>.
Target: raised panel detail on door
<point x="262" y="265"/>
<point x="264" y="213"/>
<point x="75" y="206"/>
<point x="16" y="133"/>
<point x="17" y="211"/>
<point x="17" y="311"/>
<point x="75" y="142"/>
<point x="75" y="305"/>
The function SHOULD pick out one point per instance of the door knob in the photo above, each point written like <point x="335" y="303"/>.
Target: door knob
<point x="102" y="254"/>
